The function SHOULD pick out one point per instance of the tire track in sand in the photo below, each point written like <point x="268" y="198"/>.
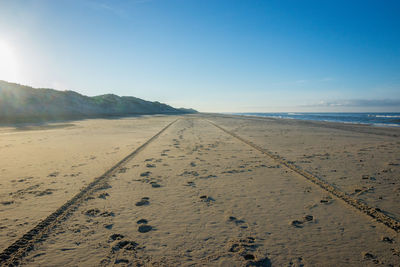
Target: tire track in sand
<point x="375" y="213"/>
<point x="11" y="255"/>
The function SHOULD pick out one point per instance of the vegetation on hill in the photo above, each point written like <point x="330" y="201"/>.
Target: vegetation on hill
<point x="20" y="103"/>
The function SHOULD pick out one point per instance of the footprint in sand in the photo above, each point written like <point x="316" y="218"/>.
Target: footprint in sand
<point x="107" y="214"/>
<point x="145" y="174"/>
<point x="108" y="226"/>
<point x="239" y="222"/>
<point x="104" y="186"/>
<point x="144" y="227"/>
<point x="370" y="256"/>
<point x="300" y="223"/>
<point x="190" y="183"/>
<point x="125" y="244"/>
<point x="207" y="199"/>
<point x="114" y="237"/>
<point x="189" y="173"/>
<point x="326" y="200"/>
<point x="387" y="239"/>
<point x="297" y="223"/>
<point x="118" y="244"/>
<point x="307" y="189"/>
<point x="208" y="176"/>
<point x="103" y="195"/>
<point x="6" y="203"/>
<point x="48" y="191"/>
<point x="296" y="262"/>
<point x="246" y="247"/>
<point x="118" y="261"/>
<point x="155" y="185"/>
<point x="142" y="221"/>
<point x="143" y="202"/>
<point x="96" y="212"/>
<point x="123" y="170"/>
<point x="53" y="174"/>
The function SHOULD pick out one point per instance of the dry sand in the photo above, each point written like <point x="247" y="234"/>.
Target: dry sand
<point x="44" y="166"/>
<point x="197" y="196"/>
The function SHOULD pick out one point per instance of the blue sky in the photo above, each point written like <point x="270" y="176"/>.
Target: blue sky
<point x="211" y="55"/>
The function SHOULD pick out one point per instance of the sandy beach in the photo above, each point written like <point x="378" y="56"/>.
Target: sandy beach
<point x="199" y="190"/>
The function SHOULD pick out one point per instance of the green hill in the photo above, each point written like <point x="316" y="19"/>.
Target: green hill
<point x="19" y="103"/>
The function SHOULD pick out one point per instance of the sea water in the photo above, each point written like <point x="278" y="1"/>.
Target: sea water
<point x="378" y="119"/>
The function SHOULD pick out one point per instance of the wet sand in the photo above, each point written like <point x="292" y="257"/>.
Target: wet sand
<point x="198" y="196"/>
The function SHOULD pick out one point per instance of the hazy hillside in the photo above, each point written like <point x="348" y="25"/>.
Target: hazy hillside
<point x="20" y="103"/>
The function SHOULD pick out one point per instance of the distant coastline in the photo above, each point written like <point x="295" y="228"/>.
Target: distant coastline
<point x="389" y="119"/>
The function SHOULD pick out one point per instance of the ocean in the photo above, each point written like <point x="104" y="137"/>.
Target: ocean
<point x="377" y="119"/>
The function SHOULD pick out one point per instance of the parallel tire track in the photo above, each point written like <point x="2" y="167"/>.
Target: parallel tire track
<point x="12" y="254"/>
<point x="375" y="213"/>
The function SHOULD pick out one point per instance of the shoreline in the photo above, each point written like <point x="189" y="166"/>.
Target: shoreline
<point x="362" y="128"/>
<point x="288" y="114"/>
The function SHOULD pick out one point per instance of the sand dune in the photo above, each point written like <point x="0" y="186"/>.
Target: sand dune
<point x="198" y="196"/>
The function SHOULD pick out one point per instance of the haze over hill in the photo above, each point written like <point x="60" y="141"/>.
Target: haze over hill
<point x="19" y="103"/>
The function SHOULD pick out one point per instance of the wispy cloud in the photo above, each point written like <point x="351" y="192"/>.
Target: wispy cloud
<point x="105" y="6"/>
<point x="304" y="81"/>
<point x="326" y="79"/>
<point x="301" y="81"/>
<point x="141" y="1"/>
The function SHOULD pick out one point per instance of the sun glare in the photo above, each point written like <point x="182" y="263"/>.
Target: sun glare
<point x="8" y="62"/>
